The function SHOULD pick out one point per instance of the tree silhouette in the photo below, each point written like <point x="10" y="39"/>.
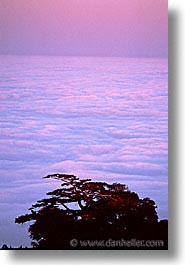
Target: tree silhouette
<point x="86" y="210"/>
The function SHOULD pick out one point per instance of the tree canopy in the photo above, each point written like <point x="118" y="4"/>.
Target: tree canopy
<point x="82" y="209"/>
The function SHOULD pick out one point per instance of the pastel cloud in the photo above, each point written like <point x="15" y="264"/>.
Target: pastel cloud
<point x="93" y="122"/>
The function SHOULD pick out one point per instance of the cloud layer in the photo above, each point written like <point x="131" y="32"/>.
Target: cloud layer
<point x="101" y="118"/>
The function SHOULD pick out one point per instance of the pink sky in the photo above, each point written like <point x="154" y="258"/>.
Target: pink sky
<point x="132" y="28"/>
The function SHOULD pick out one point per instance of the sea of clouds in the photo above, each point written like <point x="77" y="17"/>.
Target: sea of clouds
<point x="99" y="118"/>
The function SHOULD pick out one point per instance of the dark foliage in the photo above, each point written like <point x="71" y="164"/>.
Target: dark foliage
<point x="87" y="210"/>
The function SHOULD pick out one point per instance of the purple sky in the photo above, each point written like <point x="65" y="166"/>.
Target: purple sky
<point x="132" y="28"/>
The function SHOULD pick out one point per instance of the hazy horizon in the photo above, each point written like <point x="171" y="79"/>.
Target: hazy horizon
<point x="92" y="28"/>
<point x="87" y="56"/>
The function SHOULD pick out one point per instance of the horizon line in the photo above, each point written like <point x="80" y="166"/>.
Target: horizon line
<point x="88" y="56"/>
